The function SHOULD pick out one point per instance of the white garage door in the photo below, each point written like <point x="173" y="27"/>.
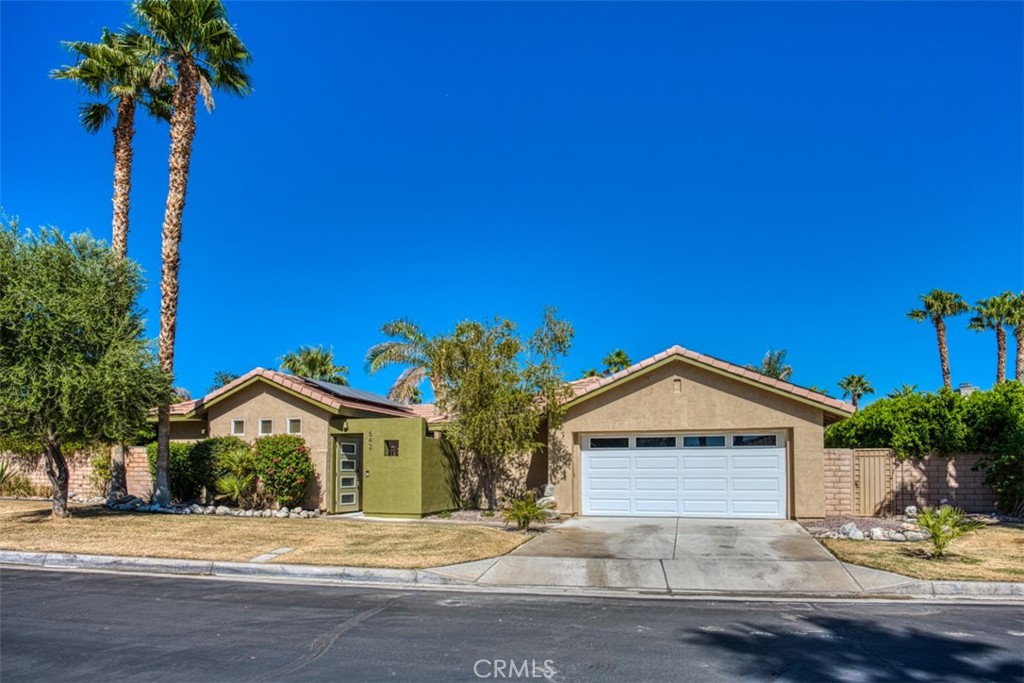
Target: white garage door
<point x="685" y="475"/>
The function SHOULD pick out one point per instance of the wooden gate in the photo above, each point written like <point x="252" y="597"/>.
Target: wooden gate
<point x="872" y="483"/>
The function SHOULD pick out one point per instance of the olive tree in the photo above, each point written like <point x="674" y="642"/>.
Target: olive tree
<point x="500" y="389"/>
<point x="75" y="370"/>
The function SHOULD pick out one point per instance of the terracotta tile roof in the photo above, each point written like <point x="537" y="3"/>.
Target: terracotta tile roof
<point x="428" y="411"/>
<point x="584" y="386"/>
<point x="320" y="392"/>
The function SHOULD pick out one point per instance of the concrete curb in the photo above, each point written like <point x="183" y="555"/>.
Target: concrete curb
<point x="156" y="565"/>
<point x="914" y="588"/>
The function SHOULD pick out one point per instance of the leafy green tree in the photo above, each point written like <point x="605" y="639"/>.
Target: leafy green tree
<point x="995" y="421"/>
<point x="995" y="313"/>
<point x="774" y="365"/>
<point x="75" y="370"/>
<point x="418" y="354"/>
<point x="1016" y="321"/>
<point x="118" y="78"/>
<point x="616" y="361"/>
<point x="222" y="378"/>
<point x="197" y="50"/>
<point x="314" y="362"/>
<point x="500" y="389"/>
<point x="937" y="305"/>
<point x="855" y="386"/>
<point x="592" y="372"/>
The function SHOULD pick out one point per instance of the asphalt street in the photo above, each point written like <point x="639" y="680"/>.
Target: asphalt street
<point x="66" y="626"/>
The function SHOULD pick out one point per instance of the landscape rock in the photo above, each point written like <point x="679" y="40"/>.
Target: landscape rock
<point x="877" y="534"/>
<point x="907" y="526"/>
<point x="546" y="501"/>
<point x="896" y="536"/>
<point x="222" y="510"/>
<point x="247" y="513"/>
<point x="293" y="515"/>
<point x="915" y="536"/>
<point x="196" y="508"/>
<point x="281" y="514"/>
<point x="856" y="535"/>
<point x="910" y="512"/>
<point x="847" y="529"/>
<point x="208" y="510"/>
<point x="268" y="513"/>
<point x="283" y="509"/>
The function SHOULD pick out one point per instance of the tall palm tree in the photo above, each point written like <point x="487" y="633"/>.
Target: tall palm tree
<point x="413" y="349"/>
<point x="855" y="386"/>
<point x="903" y="392"/>
<point x="196" y="49"/>
<point x="119" y="77"/>
<point x="774" y="365"/>
<point x="1016" y="320"/>
<point x="994" y="313"/>
<point x="616" y="361"/>
<point x="937" y="305"/>
<point x="314" y="362"/>
<point x="592" y="372"/>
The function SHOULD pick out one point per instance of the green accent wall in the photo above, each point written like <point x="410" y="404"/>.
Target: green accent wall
<point x="422" y="479"/>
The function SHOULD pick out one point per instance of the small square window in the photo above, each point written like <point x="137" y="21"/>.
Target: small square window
<point x="294" y="425"/>
<point x="391" y="448"/>
<point x="238" y="428"/>
<point x="753" y="440"/>
<point x="266" y="427"/>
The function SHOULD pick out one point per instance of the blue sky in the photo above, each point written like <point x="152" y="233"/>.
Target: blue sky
<point x="729" y="177"/>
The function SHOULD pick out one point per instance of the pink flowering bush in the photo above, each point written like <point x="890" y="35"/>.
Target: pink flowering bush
<point x="284" y="467"/>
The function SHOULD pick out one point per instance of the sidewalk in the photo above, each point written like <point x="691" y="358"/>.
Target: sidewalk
<point x="476" y="575"/>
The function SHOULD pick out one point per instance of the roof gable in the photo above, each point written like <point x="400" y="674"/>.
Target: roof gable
<point x="588" y="387"/>
<point x="333" y="397"/>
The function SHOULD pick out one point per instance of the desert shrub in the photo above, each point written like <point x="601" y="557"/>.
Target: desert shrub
<point x="101" y="473"/>
<point x="945" y="524"/>
<point x="187" y="475"/>
<point x="212" y="449"/>
<point x="523" y="511"/>
<point x="237" y="481"/>
<point x="14" y="483"/>
<point x="284" y="467"/>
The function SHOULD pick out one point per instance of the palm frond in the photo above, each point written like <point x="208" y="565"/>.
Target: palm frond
<point x="94" y="115"/>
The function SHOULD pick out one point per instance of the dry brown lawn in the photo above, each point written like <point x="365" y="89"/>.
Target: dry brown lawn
<point x="995" y="553"/>
<point x="98" y="531"/>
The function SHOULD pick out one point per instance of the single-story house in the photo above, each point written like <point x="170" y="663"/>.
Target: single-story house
<point x="370" y="453"/>
<point x="678" y="434"/>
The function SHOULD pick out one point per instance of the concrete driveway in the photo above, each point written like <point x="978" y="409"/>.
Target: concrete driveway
<point x="679" y="555"/>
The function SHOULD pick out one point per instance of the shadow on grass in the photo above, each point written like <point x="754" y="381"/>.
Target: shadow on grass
<point x="829" y="648"/>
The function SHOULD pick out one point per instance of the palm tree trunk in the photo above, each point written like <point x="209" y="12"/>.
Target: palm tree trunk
<point x="1000" y="354"/>
<point x="57" y="473"/>
<point x="183" y="130"/>
<point x="940" y="332"/>
<point x="124" y="131"/>
<point x="853" y="399"/>
<point x="1018" y="334"/>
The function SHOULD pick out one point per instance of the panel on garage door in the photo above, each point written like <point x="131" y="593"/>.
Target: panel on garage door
<point x="739" y="482"/>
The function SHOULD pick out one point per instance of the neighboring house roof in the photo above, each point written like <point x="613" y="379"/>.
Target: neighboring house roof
<point x="588" y="386"/>
<point x="331" y="396"/>
<point x="429" y="412"/>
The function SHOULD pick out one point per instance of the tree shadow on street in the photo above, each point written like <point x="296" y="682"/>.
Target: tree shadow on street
<point x="822" y="648"/>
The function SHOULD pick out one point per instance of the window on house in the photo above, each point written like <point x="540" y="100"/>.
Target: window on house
<point x="391" y="447"/>
<point x="655" y="442"/>
<point x="610" y="442"/>
<point x="703" y="441"/>
<point x="294" y="425"/>
<point x="753" y="440"/>
<point x="238" y="428"/>
<point x="266" y="427"/>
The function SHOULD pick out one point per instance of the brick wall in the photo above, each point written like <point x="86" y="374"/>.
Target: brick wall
<point x="920" y="482"/>
<point x="140" y="483"/>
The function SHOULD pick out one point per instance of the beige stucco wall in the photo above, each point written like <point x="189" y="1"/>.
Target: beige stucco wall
<point x="681" y="397"/>
<point x="260" y="401"/>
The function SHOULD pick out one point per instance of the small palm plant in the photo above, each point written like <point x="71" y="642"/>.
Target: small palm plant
<point x="237" y="484"/>
<point x="523" y="511"/>
<point x="945" y="524"/>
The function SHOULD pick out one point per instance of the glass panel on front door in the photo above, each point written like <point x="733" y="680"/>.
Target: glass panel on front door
<point x="346" y="476"/>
